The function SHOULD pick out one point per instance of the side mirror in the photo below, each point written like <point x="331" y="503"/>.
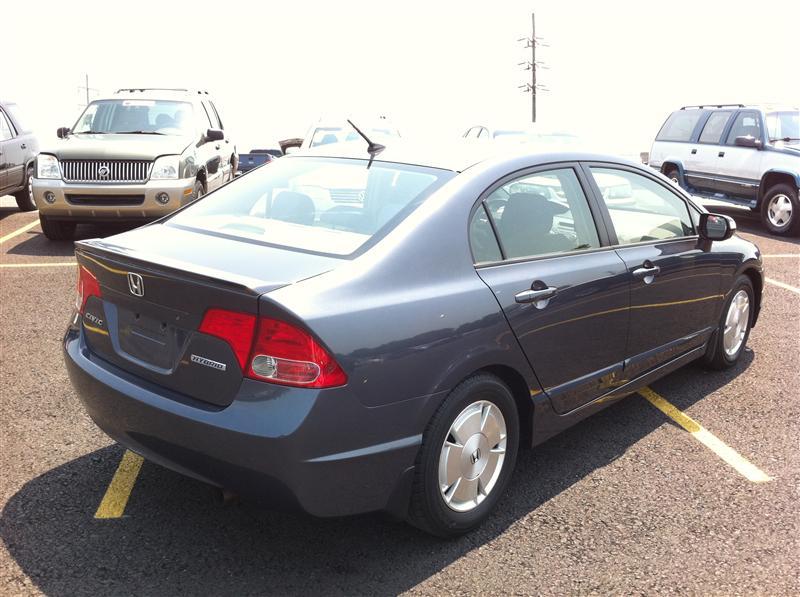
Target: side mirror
<point x="215" y="135"/>
<point x="63" y="132"/>
<point x="748" y="141"/>
<point x="716" y="227"/>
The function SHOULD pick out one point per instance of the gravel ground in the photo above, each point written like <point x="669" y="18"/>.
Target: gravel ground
<point x="626" y="502"/>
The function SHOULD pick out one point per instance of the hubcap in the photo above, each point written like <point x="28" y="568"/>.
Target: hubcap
<point x="736" y="322"/>
<point x="472" y="456"/>
<point x="779" y="210"/>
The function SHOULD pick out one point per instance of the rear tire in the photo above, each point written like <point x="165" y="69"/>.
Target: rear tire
<point x="475" y="457"/>
<point x="780" y="210"/>
<point x="673" y="175"/>
<point x="24" y="197"/>
<point x="57" y="230"/>
<point x="726" y="350"/>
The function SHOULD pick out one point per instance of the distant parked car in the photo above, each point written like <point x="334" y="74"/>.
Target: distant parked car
<point x="136" y="155"/>
<point x="545" y="139"/>
<point x="256" y="158"/>
<point x="743" y="155"/>
<point x="395" y="353"/>
<point x="18" y="149"/>
<point x="328" y="131"/>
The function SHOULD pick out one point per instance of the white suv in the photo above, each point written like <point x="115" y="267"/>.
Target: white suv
<point x="745" y="155"/>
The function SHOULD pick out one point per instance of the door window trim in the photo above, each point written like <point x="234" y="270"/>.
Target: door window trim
<point x="594" y="210"/>
<point x="612" y="232"/>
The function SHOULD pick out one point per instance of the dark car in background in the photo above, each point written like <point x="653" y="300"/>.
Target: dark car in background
<point x="395" y="352"/>
<point x="18" y="149"/>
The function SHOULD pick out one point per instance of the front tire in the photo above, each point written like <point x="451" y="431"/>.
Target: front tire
<point x="24" y="197"/>
<point x="199" y="190"/>
<point x="734" y="326"/>
<point x="466" y="459"/>
<point x="780" y="210"/>
<point x="57" y="230"/>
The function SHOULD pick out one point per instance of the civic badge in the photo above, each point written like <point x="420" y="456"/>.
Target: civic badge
<point x="135" y="284"/>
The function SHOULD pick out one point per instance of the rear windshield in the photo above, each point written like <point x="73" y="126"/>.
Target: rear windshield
<point x="323" y="205"/>
<point x="679" y="126"/>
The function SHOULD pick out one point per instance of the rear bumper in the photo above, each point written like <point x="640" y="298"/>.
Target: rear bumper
<point x="86" y="201"/>
<point x="321" y="451"/>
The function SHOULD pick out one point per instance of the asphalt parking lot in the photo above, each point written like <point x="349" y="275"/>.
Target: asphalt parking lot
<point x="628" y="502"/>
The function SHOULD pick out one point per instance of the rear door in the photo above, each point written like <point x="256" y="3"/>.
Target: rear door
<point x="705" y="166"/>
<point x="739" y="168"/>
<point x="537" y="244"/>
<point x="674" y="280"/>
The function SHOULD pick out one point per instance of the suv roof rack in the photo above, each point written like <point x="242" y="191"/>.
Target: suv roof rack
<point x="701" y="106"/>
<point x="143" y="89"/>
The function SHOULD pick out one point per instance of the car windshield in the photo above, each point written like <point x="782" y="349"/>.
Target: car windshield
<point x="163" y="117"/>
<point x="784" y="126"/>
<point x="323" y="205"/>
<point x="326" y="135"/>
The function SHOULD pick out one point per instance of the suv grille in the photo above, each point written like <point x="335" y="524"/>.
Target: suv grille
<point x="105" y="171"/>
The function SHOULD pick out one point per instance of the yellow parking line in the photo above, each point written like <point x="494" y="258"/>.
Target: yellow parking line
<point x="57" y="264"/>
<point x="19" y="231"/>
<point x="743" y="466"/>
<point x="782" y="285"/>
<point x="119" y="490"/>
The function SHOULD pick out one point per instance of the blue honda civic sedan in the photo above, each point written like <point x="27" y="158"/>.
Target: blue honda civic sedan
<point x="344" y="332"/>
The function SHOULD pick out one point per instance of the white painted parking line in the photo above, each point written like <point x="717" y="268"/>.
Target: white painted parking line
<point x="783" y="285"/>
<point x="783" y="256"/>
<point x="56" y="264"/>
<point x="25" y="228"/>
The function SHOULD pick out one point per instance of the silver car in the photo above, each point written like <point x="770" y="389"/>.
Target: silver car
<point x="135" y="156"/>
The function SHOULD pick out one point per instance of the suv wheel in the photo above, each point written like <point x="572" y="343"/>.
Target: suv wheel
<point x="672" y="174"/>
<point x="57" y="230"/>
<point x="199" y="190"/>
<point x="24" y="197"/>
<point x="734" y="326"/>
<point x="780" y="210"/>
<point x="466" y="459"/>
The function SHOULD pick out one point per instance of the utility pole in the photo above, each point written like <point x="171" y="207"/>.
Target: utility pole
<point x="533" y="87"/>
<point x="87" y="88"/>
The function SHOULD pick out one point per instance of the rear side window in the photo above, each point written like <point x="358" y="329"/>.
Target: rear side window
<point x="482" y="239"/>
<point x="746" y="124"/>
<point x="323" y="205"/>
<point x="679" y="126"/>
<point x="537" y="214"/>
<point x="640" y="208"/>
<point x="715" y="125"/>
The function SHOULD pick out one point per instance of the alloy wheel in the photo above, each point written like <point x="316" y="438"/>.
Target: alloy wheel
<point x="472" y="456"/>
<point x="779" y="210"/>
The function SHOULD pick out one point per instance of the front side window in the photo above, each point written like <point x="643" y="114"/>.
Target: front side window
<point x="157" y="117"/>
<point x="746" y="124"/>
<point x="640" y="208"/>
<point x="540" y="214"/>
<point x="715" y="125"/>
<point x="324" y="205"/>
<point x="679" y="126"/>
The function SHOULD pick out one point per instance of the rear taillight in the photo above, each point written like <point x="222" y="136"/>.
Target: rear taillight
<point x="87" y="286"/>
<point x="235" y="328"/>
<point x="285" y="354"/>
<point x="281" y="353"/>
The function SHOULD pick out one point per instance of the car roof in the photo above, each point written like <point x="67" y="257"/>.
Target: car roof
<point x="455" y="156"/>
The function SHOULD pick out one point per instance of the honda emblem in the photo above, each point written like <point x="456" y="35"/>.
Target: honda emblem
<point x="135" y="284"/>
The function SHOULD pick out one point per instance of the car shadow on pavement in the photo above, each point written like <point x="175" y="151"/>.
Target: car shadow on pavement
<point x="177" y="538"/>
<point x="37" y="244"/>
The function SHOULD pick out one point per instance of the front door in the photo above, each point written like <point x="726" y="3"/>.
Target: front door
<point x="6" y="151"/>
<point x="739" y="168"/>
<point x="209" y="151"/>
<point x="564" y="295"/>
<point x="674" y="282"/>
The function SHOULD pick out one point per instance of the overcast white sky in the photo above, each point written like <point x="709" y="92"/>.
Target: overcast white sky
<point x="616" y="69"/>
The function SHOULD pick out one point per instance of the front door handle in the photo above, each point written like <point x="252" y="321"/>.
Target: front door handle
<point x="216" y="146"/>
<point x="721" y="154"/>
<point x="23" y="146"/>
<point x="540" y="297"/>
<point x="647" y="272"/>
<point x="694" y="151"/>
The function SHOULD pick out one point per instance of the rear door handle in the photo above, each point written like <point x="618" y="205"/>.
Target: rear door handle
<point x="694" y="151"/>
<point x="540" y="297"/>
<point x="216" y="146"/>
<point x="23" y="146"/>
<point x="721" y="154"/>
